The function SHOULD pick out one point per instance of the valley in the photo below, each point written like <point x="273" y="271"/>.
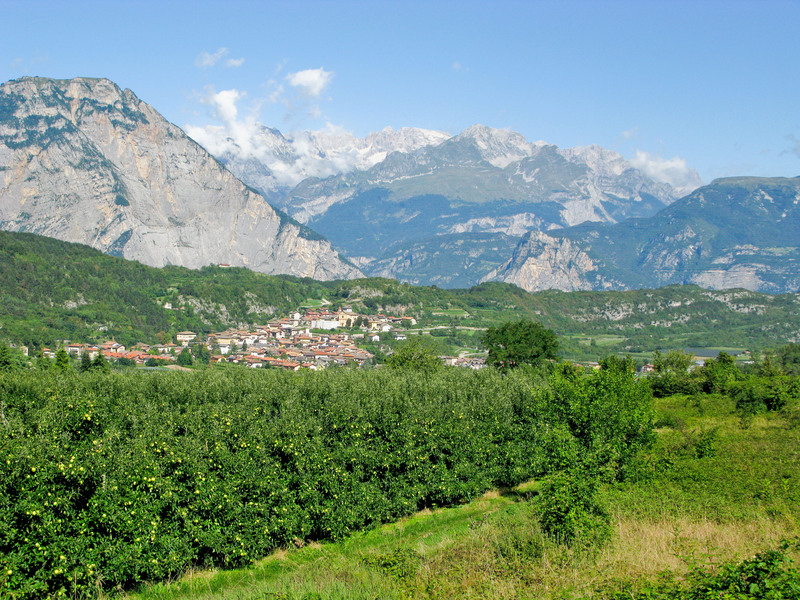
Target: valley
<point x="406" y="365"/>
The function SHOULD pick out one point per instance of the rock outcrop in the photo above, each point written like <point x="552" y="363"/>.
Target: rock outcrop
<point x="543" y="262"/>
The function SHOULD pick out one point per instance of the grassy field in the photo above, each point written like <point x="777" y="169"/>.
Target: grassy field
<point x="715" y="488"/>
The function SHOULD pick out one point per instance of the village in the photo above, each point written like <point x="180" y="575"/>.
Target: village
<point x="314" y="339"/>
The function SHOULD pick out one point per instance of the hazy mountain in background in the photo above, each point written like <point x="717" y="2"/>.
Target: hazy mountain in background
<point x="435" y="209"/>
<point x="273" y="163"/>
<point x="737" y="232"/>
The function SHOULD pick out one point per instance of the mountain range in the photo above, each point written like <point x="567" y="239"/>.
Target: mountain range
<point x="84" y="161"/>
<point x="480" y="181"/>
<point x="738" y="232"/>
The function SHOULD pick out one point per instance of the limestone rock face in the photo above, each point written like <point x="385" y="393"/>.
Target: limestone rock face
<point x="543" y="262"/>
<point x="83" y="161"/>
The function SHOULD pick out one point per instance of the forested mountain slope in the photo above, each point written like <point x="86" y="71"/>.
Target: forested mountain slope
<point x="52" y="290"/>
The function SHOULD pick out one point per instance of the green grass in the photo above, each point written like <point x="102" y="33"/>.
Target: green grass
<point x="451" y="313"/>
<point x="714" y="488"/>
<point x="339" y="569"/>
<point x="314" y="303"/>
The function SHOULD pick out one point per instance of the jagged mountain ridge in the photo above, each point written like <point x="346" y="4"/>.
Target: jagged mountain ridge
<point x="384" y="200"/>
<point x="738" y="232"/>
<point x="273" y="163"/>
<point x="482" y="165"/>
<point x="482" y="181"/>
<point x="82" y="160"/>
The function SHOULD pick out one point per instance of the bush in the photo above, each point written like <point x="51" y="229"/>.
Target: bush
<point x="569" y="511"/>
<point x="670" y="384"/>
<point x="759" y="394"/>
<point x="770" y="575"/>
<point x="609" y="414"/>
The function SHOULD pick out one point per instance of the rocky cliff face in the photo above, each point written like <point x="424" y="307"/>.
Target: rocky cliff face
<point x="543" y="262"/>
<point x="83" y="161"/>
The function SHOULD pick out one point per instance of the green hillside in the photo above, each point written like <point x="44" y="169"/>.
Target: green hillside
<point x="52" y="290"/>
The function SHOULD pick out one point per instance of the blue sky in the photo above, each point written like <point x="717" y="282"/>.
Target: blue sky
<point x="710" y="85"/>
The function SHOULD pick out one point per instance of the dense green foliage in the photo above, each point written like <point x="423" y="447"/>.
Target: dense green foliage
<point x="790" y="359"/>
<point x="52" y="290"/>
<point x="763" y="388"/>
<point x="111" y="479"/>
<point x="416" y="354"/>
<point x="708" y="508"/>
<point x="523" y="342"/>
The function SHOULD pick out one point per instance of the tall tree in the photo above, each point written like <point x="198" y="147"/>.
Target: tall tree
<point x="523" y="342"/>
<point x="86" y="362"/>
<point x="63" y="362"/>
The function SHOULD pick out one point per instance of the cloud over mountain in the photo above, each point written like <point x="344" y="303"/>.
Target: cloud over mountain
<point x="673" y="171"/>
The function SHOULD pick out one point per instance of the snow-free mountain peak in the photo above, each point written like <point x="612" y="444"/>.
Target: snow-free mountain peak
<point x="499" y="147"/>
<point x="84" y="161"/>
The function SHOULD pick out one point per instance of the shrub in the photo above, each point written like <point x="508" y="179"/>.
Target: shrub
<point x="569" y="511"/>
<point x="609" y="414"/>
<point x="759" y="394"/>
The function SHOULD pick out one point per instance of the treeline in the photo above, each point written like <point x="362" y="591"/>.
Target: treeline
<point x="769" y="384"/>
<point x="52" y="290"/>
<point x="111" y="479"/>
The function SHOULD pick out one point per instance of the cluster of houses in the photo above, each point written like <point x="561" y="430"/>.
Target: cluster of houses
<point x="298" y="341"/>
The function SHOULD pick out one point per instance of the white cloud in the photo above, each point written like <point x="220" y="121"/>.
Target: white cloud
<point x="224" y="104"/>
<point x="310" y="82"/>
<point x="205" y="59"/>
<point x="235" y="135"/>
<point x="632" y="133"/>
<point x="459" y="68"/>
<point x="673" y="171"/>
